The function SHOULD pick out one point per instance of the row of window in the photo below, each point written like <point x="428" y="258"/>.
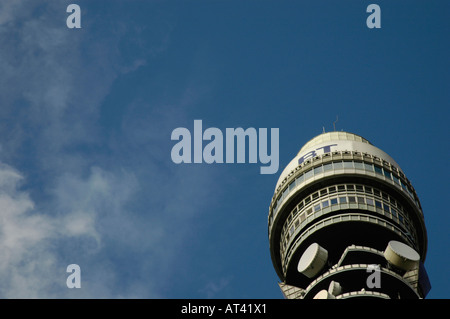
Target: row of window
<point x="286" y="253"/>
<point x="344" y="188"/>
<point x="368" y="167"/>
<point x="297" y="217"/>
<point x="357" y="156"/>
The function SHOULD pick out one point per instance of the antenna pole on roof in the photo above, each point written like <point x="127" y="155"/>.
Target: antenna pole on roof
<point x="334" y="123"/>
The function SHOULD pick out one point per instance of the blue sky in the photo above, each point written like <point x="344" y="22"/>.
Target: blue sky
<point x="86" y="117"/>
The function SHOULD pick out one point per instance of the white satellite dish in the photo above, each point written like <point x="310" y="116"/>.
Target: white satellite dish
<point x="334" y="288"/>
<point x="323" y="294"/>
<point x="401" y="255"/>
<point x="312" y="260"/>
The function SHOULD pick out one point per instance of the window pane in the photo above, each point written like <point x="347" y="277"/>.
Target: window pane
<point x="316" y="207"/>
<point x="359" y="165"/>
<point x="378" y="204"/>
<point x="348" y="164"/>
<point x="396" y="180"/>
<point x="378" y="169"/>
<point x="291" y="185"/>
<point x="334" y="201"/>
<point x="325" y="204"/>
<point x="387" y="174"/>
<point x="404" y="186"/>
<point x="352" y="199"/>
<point x="337" y="165"/>
<point x="300" y="179"/>
<point x="308" y="174"/>
<point x="327" y="167"/>
<point x="342" y="200"/>
<point x="386" y="207"/>
<point x="368" y="167"/>
<point x="360" y="200"/>
<point x="394" y="212"/>
<point x="369" y="201"/>
<point x="318" y="170"/>
<point x="291" y="230"/>
<point x="332" y="189"/>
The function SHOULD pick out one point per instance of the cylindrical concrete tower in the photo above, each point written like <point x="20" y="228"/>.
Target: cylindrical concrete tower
<point x="345" y="222"/>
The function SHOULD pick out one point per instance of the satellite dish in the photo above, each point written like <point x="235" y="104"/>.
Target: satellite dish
<point x="323" y="294"/>
<point x="312" y="260"/>
<point x="334" y="288"/>
<point x="401" y="255"/>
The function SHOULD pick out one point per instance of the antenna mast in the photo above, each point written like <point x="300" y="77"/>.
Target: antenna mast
<point x="334" y="123"/>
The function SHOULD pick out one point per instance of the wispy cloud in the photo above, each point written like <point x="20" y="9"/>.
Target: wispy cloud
<point x="72" y="192"/>
<point x="28" y="264"/>
<point x="212" y="288"/>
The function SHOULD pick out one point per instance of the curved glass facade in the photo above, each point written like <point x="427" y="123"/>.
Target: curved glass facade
<point x="334" y="167"/>
<point x="336" y="198"/>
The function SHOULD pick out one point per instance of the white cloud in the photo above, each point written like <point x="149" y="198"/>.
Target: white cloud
<point x="9" y="10"/>
<point x="125" y="210"/>
<point x="27" y="266"/>
<point x="31" y="259"/>
<point x="41" y="70"/>
<point x="212" y="288"/>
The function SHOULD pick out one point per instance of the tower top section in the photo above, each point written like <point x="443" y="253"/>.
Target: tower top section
<point x="333" y="136"/>
<point x="334" y="142"/>
<point x="340" y="206"/>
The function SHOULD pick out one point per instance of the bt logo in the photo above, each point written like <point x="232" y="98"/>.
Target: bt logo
<point x="326" y="149"/>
